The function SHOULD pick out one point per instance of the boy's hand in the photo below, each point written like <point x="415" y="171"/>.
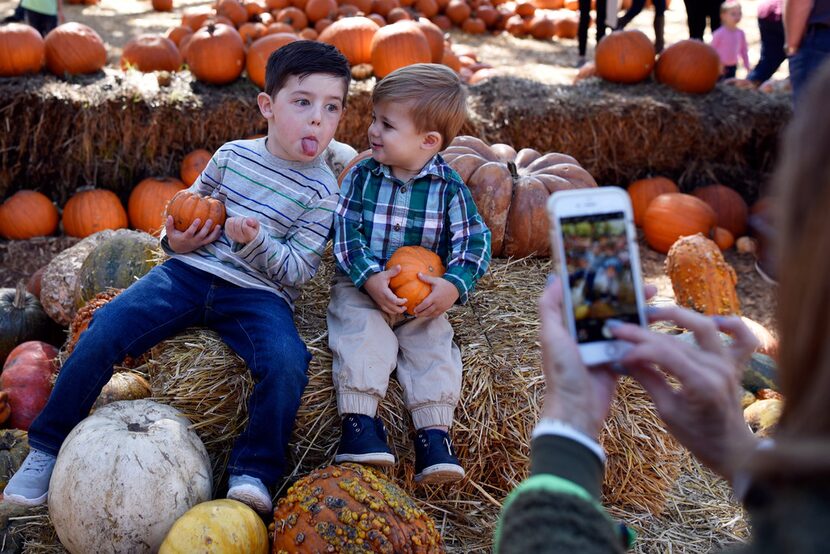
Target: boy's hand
<point x="443" y="296"/>
<point x="182" y="242"/>
<point x="378" y="288"/>
<point x="241" y="230"/>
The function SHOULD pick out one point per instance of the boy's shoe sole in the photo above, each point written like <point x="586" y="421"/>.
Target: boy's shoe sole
<point x="440" y="473"/>
<point x="373" y="458"/>
<point x="23" y="501"/>
<point x="252" y="497"/>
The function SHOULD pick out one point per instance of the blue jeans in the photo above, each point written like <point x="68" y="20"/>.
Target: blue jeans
<point x="813" y="50"/>
<point x="256" y="324"/>
<point x="772" y="50"/>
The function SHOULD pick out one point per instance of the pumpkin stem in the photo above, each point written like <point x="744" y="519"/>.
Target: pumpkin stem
<point x="19" y="296"/>
<point x="514" y="172"/>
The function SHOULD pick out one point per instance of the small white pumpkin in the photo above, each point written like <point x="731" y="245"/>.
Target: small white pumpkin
<point x="124" y="475"/>
<point x="337" y="155"/>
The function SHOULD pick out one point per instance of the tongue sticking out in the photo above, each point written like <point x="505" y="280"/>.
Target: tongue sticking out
<point x="309" y="146"/>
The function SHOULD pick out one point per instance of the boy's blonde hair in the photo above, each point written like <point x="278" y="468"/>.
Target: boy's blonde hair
<point x="728" y="5"/>
<point x="439" y="101"/>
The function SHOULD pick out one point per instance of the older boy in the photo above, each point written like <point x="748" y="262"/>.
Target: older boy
<point x="279" y="197"/>
<point x="404" y="195"/>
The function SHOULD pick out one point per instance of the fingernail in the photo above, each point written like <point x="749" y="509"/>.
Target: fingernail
<point x="652" y="310"/>
<point x="613" y="323"/>
<point x="552" y="278"/>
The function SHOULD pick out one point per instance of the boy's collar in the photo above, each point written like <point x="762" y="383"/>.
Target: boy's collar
<point x="435" y="166"/>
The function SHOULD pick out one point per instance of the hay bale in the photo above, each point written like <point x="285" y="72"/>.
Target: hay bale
<point x="115" y="128"/>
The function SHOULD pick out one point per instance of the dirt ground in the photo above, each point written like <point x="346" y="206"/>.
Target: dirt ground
<point x="552" y="61"/>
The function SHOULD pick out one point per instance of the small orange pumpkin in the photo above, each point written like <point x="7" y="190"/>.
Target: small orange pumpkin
<point x="27" y="214"/>
<point x="178" y="33"/>
<point x="643" y="191"/>
<point x="360" y="157"/>
<point x="688" y="66"/>
<point x="406" y="284"/>
<point x="435" y="38"/>
<point x="624" y="57"/>
<point x="398" y="45"/>
<point x="458" y="11"/>
<point x="21" y="50"/>
<point x="148" y="201"/>
<point x="163" y="5"/>
<point x="674" y="215"/>
<point x="293" y="16"/>
<point x="186" y="206"/>
<point x="723" y="238"/>
<point x="148" y="53"/>
<point x="216" y="54"/>
<point x="93" y="210"/>
<point x="193" y="164"/>
<point x="259" y="52"/>
<point x="353" y="37"/>
<point x="316" y="10"/>
<point x="233" y="10"/>
<point x="73" y="48"/>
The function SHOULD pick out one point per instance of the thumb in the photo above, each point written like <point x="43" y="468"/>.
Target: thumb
<point x="427" y="278"/>
<point x="251" y="222"/>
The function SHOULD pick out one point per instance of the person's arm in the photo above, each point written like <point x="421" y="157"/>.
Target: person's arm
<point x="795" y="14"/>
<point x="470" y="244"/>
<point x="351" y="249"/>
<point x="60" y="12"/>
<point x="292" y="260"/>
<point x="745" y="52"/>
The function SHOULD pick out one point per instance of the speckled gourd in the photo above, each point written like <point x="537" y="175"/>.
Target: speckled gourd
<point x="351" y="508"/>
<point x="701" y="278"/>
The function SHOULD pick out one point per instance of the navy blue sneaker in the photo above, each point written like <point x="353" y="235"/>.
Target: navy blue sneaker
<point x="363" y="440"/>
<point x="435" y="460"/>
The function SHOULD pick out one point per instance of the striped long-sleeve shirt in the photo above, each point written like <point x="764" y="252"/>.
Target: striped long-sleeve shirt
<point x="378" y="213"/>
<point x="294" y="203"/>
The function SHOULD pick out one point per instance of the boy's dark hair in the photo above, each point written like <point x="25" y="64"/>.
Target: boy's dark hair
<point x="302" y="58"/>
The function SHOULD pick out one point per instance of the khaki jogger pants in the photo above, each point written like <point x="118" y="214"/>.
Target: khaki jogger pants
<point x="367" y="344"/>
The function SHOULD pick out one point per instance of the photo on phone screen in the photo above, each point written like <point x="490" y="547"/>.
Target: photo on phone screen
<point x="599" y="270"/>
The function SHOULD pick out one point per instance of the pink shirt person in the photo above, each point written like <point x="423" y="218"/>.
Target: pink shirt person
<point x="730" y="44"/>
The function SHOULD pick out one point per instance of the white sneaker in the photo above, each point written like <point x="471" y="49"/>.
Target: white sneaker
<point x="250" y="491"/>
<point x="29" y="486"/>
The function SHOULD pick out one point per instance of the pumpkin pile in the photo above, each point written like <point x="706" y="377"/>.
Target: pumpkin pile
<point x="511" y="188"/>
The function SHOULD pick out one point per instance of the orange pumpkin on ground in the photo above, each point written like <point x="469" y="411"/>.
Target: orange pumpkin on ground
<point x="688" y="66"/>
<point x="360" y="157"/>
<point x="406" y="284"/>
<point x="27" y="378"/>
<point x="93" y="210"/>
<point x="730" y="208"/>
<point x="163" y="5"/>
<point x="186" y="206"/>
<point x="233" y="10"/>
<point x="643" y="191"/>
<point x="259" y="52"/>
<point x="625" y="57"/>
<point x="398" y="45"/>
<point x="148" y="53"/>
<point x="21" y="50"/>
<point x="27" y="214"/>
<point x="511" y="188"/>
<point x="435" y="38"/>
<point x="723" y="238"/>
<point x="701" y="278"/>
<point x="216" y="54"/>
<point x="193" y="164"/>
<point x="178" y="33"/>
<point x="148" y="200"/>
<point x="351" y="508"/>
<point x="353" y="37"/>
<point x="674" y="215"/>
<point x="73" y="48"/>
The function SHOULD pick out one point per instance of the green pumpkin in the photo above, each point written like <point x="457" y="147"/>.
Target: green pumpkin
<point x="116" y="262"/>
<point x="14" y="447"/>
<point x="22" y="319"/>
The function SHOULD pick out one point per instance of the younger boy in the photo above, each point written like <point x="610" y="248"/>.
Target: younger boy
<point x="240" y="281"/>
<point x="404" y="195"/>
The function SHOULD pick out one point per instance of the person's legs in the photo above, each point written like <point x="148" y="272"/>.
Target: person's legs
<point x="602" y="11"/>
<point x="631" y="13"/>
<point x="659" y="24"/>
<point x="729" y="72"/>
<point x="17" y="14"/>
<point x="42" y="22"/>
<point x="696" y="18"/>
<point x="713" y="13"/>
<point x="259" y="327"/>
<point x="813" y="51"/>
<point x="772" y="50"/>
<point x="584" y="23"/>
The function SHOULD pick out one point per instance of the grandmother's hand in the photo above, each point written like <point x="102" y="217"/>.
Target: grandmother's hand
<point x="703" y="412"/>
<point x="574" y="394"/>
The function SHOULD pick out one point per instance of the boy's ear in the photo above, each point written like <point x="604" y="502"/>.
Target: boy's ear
<point x="265" y="106"/>
<point x="432" y="139"/>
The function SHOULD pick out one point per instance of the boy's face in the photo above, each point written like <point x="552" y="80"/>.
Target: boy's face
<point x="396" y="142"/>
<point x="303" y="116"/>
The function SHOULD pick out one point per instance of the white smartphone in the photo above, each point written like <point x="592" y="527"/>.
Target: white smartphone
<point x="594" y="251"/>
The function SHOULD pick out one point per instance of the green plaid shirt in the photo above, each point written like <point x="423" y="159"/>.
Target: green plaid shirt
<point x="378" y="213"/>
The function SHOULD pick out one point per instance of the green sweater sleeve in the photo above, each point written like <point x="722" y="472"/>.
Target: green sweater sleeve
<point x="557" y="509"/>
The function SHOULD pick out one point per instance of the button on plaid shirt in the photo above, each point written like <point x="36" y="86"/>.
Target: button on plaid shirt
<point x="378" y="213"/>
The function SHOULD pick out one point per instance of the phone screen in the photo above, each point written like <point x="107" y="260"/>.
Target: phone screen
<point x="601" y="281"/>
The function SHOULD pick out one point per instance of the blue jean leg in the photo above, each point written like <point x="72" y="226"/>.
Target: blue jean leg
<point x="772" y="50"/>
<point x="163" y="302"/>
<point x="813" y="50"/>
<point x="259" y="326"/>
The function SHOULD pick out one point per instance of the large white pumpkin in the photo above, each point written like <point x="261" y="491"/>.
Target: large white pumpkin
<point x="124" y="475"/>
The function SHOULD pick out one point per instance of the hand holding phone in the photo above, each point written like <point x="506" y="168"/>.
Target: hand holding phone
<point x="595" y="254"/>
